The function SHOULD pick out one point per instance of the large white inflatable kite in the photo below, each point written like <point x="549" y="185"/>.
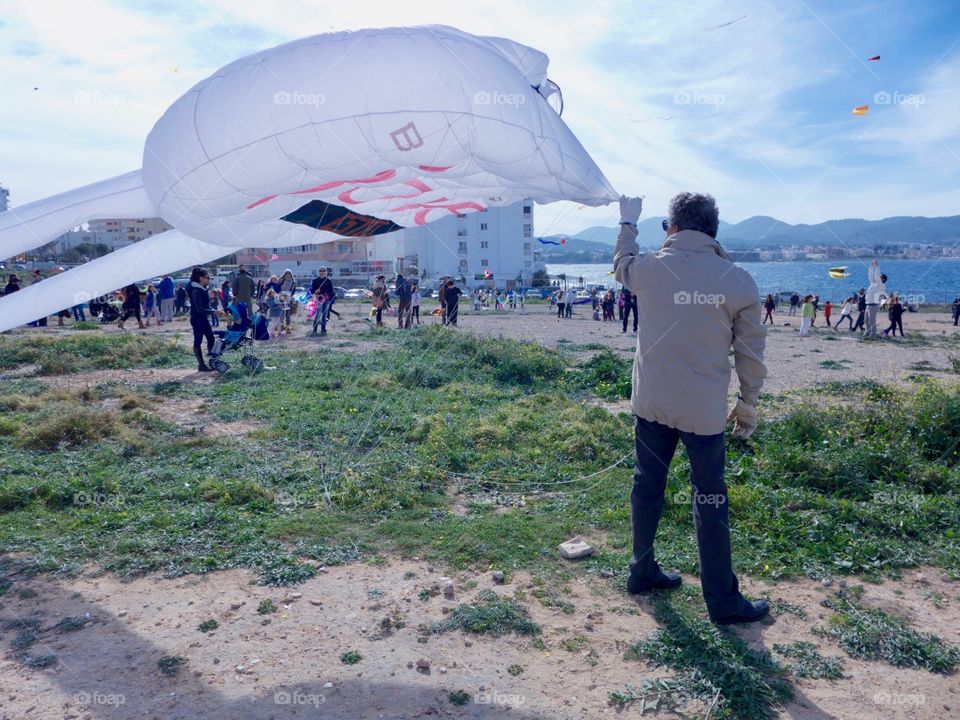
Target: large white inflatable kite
<point x="344" y="134"/>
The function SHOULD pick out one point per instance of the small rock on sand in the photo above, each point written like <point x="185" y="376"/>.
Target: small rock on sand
<point x="575" y="549"/>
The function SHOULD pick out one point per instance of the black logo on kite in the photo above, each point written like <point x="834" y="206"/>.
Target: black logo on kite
<point x="339" y="220"/>
<point x="407" y="138"/>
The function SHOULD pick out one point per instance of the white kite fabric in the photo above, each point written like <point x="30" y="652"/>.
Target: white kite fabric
<point x="347" y="134"/>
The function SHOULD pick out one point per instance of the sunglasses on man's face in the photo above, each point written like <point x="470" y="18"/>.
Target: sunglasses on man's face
<point x="665" y="224"/>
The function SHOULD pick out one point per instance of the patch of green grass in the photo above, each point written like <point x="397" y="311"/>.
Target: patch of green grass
<point x="350" y="657"/>
<point x="607" y="375"/>
<point x="872" y="634"/>
<point x="266" y="607"/>
<point x="515" y="670"/>
<point x="490" y="615"/>
<point x="712" y="663"/>
<point x="460" y="697"/>
<point x="171" y="664"/>
<point x="208" y="625"/>
<point x="575" y="643"/>
<point x="75" y="353"/>
<point x="833" y="364"/>
<point x="809" y="662"/>
<point x="652" y="693"/>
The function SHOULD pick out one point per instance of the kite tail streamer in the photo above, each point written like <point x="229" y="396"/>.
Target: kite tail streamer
<point x="145" y="259"/>
<point x="35" y="224"/>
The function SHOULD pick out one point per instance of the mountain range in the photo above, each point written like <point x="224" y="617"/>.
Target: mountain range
<point x="768" y="232"/>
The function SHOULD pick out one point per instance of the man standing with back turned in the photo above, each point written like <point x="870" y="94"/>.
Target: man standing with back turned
<point x="694" y="305"/>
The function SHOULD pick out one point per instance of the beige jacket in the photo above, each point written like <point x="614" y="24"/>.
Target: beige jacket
<point x="694" y="305"/>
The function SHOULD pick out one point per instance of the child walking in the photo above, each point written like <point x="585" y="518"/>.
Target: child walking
<point x="806" y="315"/>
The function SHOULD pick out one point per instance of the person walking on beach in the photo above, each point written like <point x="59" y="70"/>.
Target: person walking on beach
<point x="452" y="297"/>
<point x="875" y="293"/>
<point x="827" y="309"/>
<point x="569" y="297"/>
<point x="956" y="311"/>
<point x="323" y="293"/>
<point x="131" y="305"/>
<point x="861" y="300"/>
<point x="895" y="315"/>
<point x="815" y="301"/>
<point x="806" y="315"/>
<point x="768" y="307"/>
<point x="681" y="373"/>
<point x="561" y="303"/>
<point x="629" y="306"/>
<point x="288" y="286"/>
<point x="845" y="312"/>
<point x="441" y="292"/>
<point x="794" y="301"/>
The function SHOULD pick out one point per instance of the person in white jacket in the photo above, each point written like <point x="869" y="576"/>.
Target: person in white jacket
<point x="694" y="305"/>
<point x="876" y="293"/>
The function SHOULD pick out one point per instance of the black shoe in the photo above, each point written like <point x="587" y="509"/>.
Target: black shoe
<point x="663" y="581"/>
<point x="750" y="611"/>
<point x="204" y="368"/>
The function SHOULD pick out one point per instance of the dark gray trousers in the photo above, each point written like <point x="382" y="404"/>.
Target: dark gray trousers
<point x="656" y="444"/>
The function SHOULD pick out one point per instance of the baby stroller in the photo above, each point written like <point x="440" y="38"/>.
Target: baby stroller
<point x="235" y="337"/>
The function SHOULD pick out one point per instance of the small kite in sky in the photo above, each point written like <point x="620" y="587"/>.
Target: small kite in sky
<point x="723" y="25"/>
<point x="875" y="58"/>
<point x="563" y="241"/>
<point x="861" y="110"/>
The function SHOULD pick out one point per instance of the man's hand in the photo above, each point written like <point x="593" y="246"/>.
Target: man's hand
<point x="744" y="419"/>
<point x="630" y="209"/>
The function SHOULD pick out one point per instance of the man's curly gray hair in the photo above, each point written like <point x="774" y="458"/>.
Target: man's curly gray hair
<point x="695" y="211"/>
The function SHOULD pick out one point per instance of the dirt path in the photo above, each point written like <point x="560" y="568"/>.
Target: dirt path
<point x="287" y="664"/>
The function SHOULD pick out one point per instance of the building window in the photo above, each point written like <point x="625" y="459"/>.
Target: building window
<point x="484" y="244"/>
<point x="460" y="216"/>
<point x="462" y="248"/>
<point x="526" y="209"/>
<point x="463" y="265"/>
<point x="483" y="226"/>
<point x="484" y="263"/>
<point x="344" y="247"/>
<point x="527" y="227"/>
<point x="461" y="233"/>
<point x="527" y="263"/>
<point x="527" y="248"/>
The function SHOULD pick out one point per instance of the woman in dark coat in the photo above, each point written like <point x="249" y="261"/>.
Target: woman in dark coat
<point x="452" y="298"/>
<point x="200" y="315"/>
<point x="131" y="305"/>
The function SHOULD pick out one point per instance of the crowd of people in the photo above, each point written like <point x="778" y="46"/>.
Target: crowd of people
<point x="867" y="303"/>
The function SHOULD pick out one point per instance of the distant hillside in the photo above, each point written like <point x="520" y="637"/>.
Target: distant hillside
<point x="766" y="231"/>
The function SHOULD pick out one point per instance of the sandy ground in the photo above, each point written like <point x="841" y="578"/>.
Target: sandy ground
<point x="291" y="668"/>
<point x="287" y="664"/>
<point x="792" y="362"/>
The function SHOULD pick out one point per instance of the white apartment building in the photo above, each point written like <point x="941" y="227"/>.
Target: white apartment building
<point x="466" y="247"/>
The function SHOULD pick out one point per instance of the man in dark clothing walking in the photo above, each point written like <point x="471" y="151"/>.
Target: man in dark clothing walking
<point x="794" y="302"/>
<point x="629" y="305"/>
<point x="322" y="289"/>
<point x="451" y="296"/>
<point x="861" y="310"/>
<point x="404" y="298"/>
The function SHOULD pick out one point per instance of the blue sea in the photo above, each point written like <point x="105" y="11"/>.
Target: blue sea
<point x="923" y="281"/>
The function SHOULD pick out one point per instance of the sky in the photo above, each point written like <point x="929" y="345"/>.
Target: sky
<point x="749" y="100"/>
